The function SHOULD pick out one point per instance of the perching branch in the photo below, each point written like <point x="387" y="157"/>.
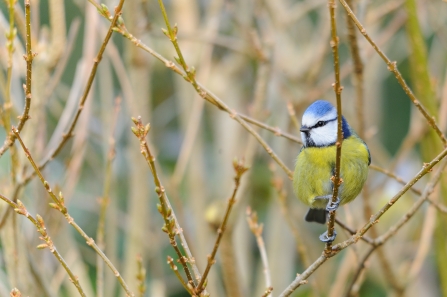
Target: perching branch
<point x="336" y="180"/>
<point x="302" y="278"/>
<point x="429" y="188"/>
<point x="427" y="167"/>
<point x="381" y="240"/>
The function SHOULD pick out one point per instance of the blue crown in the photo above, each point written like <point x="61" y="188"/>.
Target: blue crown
<point x="319" y="108"/>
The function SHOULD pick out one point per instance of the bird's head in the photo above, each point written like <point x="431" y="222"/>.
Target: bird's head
<point x="319" y="125"/>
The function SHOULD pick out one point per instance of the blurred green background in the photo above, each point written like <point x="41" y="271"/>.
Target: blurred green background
<point x="256" y="56"/>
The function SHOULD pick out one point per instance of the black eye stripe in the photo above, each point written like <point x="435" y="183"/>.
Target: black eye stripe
<point x="322" y="123"/>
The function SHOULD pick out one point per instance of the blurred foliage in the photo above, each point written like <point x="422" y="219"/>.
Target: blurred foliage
<point x="222" y="40"/>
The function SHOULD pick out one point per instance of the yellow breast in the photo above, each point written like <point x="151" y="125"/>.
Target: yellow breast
<point x="315" y="166"/>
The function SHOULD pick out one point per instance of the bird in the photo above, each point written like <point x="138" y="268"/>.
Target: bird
<point x="315" y="164"/>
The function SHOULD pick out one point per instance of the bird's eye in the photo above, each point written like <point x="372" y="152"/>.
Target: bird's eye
<point x="319" y="124"/>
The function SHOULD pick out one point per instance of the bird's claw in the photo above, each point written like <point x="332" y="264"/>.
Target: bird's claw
<point x="331" y="206"/>
<point x="325" y="238"/>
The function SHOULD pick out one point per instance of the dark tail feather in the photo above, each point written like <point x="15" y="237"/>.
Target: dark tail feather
<point x="316" y="215"/>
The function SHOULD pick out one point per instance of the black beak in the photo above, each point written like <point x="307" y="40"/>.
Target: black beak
<point x="304" y="129"/>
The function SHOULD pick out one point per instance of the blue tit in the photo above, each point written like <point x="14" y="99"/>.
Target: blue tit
<point x="315" y="164"/>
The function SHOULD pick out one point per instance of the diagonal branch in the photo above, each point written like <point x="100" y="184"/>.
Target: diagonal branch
<point x="40" y="226"/>
<point x="67" y="135"/>
<point x="59" y="204"/>
<point x="240" y="169"/>
<point x="171" y="226"/>
<point x="393" y="68"/>
<point x="302" y="278"/>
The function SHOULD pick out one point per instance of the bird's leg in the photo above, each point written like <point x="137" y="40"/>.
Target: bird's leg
<point x="331" y="206"/>
<point x="325" y="238"/>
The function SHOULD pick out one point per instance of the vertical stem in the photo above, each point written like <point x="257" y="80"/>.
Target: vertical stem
<point x="430" y="144"/>
<point x="29" y="56"/>
<point x="59" y="204"/>
<point x="338" y="89"/>
<point x="358" y="73"/>
<point x="104" y="202"/>
<point x="7" y="106"/>
<point x="29" y="60"/>
<point x="171" y="226"/>
<point x="240" y="170"/>
<point x="392" y="67"/>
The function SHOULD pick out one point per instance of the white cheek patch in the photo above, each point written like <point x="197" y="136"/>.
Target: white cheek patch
<point x="325" y="135"/>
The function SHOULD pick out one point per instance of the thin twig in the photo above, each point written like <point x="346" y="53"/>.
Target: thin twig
<point x="429" y="188"/>
<point x="67" y="135"/>
<point x="276" y="131"/>
<point x="440" y="207"/>
<point x="239" y="169"/>
<point x="302" y="278"/>
<point x="358" y="75"/>
<point x="174" y="268"/>
<point x="48" y="243"/>
<point x="425" y="242"/>
<point x="141" y="276"/>
<point x="292" y="115"/>
<point x="386" y="9"/>
<point x="62" y="63"/>
<point x="324" y="84"/>
<point x="426" y="168"/>
<point x="395" y="177"/>
<point x="282" y="197"/>
<point x="104" y="202"/>
<point x="208" y="95"/>
<point x="59" y="204"/>
<point x="15" y="293"/>
<point x="424" y="197"/>
<point x="336" y="179"/>
<point x="392" y="66"/>
<point x="352" y="232"/>
<point x="7" y="106"/>
<point x="300" y="246"/>
<point x="256" y="229"/>
<point x="29" y="63"/>
<point x="360" y="268"/>
<point x="416" y="132"/>
<point x="171" y="33"/>
<point x="170" y="226"/>
<point x="267" y="292"/>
